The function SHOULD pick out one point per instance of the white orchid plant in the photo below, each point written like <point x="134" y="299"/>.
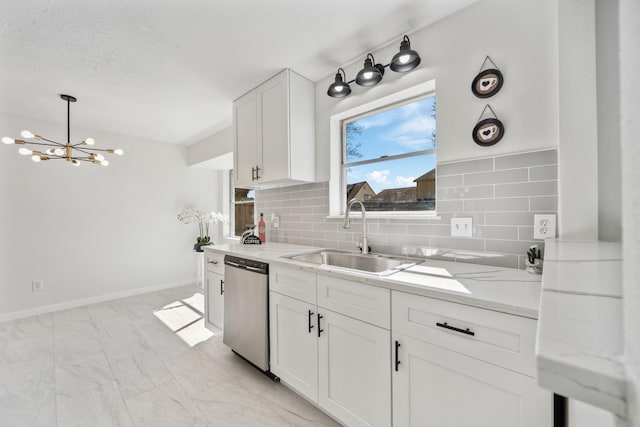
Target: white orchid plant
<point x="203" y="219"/>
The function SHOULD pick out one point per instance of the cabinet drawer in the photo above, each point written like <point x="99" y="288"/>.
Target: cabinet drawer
<point x="502" y="339"/>
<point x="364" y="302"/>
<point x="214" y="262"/>
<point x="293" y="282"/>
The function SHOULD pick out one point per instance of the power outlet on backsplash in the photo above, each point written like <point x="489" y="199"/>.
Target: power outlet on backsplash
<point x="544" y="226"/>
<point x="461" y="227"/>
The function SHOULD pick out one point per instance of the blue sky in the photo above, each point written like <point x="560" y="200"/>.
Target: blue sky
<point x="401" y="130"/>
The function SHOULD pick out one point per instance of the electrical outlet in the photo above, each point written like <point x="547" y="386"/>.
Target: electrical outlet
<point x="275" y="221"/>
<point x="461" y="227"/>
<point x="544" y="227"/>
<point x="37" y="285"/>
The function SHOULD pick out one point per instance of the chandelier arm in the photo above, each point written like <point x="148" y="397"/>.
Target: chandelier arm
<point x="83" y="151"/>
<point x="99" y="149"/>
<point x="46" y="145"/>
<point x="48" y="140"/>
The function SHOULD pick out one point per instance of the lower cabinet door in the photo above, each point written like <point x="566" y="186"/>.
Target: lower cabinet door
<point x="354" y="375"/>
<point x="435" y="387"/>
<point x="294" y="343"/>
<point x="214" y="290"/>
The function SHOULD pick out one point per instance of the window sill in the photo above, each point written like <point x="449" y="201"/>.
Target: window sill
<point x="386" y="215"/>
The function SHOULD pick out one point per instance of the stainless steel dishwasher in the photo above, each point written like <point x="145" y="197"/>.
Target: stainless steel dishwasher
<point x="246" y="310"/>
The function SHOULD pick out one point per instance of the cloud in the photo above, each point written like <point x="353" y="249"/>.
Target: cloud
<point x="405" y="181"/>
<point x="378" y="177"/>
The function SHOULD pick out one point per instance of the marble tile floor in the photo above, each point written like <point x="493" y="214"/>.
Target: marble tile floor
<point x="145" y="360"/>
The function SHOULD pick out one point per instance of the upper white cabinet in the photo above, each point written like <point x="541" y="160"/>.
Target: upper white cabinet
<point x="273" y="130"/>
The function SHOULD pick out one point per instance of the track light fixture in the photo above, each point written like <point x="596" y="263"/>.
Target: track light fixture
<point x="371" y="74"/>
<point x="339" y="88"/>
<point x="406" y="59"/>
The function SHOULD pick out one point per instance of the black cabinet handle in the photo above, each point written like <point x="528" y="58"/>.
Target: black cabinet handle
<point x="257" y="173"/>
<point x="320" y="330"/>
<point x="214" y="262"/>
<point x="253" y="174"/>
<point x="310" y="316"/>
<point x="221" y="287"/>
<point x="453" y="328"/>
<point x="397" y="360"/>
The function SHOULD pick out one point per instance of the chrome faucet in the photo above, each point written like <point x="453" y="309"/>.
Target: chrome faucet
<point x="347" y="223"/>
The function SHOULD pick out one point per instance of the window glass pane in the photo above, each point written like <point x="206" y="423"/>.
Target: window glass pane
<point x="243" y="209"/>
<point x="406" y="184"/>
<point x="400" y="130"/>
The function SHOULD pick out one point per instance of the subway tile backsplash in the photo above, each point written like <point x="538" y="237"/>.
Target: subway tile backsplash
<point x="500" y="193"/>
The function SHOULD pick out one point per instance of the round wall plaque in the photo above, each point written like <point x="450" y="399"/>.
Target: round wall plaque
<point x="487" y="83"/>
<point x="488" y="132"/>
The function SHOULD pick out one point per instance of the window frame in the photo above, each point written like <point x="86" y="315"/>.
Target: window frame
<point x="337" y="154"/>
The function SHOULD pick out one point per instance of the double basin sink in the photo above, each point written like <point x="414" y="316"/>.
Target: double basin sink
<point x="378" y="264"/>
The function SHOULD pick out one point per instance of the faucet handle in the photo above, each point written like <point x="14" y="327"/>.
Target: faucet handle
<point x="361" y="245"/>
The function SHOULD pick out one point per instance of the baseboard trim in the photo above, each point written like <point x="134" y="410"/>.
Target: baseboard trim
<point x="13" y="315"/>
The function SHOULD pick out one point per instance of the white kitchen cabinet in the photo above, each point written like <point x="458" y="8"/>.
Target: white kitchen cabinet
<point x="340" y="362"/>
<point x="274" y="133"/>
<point x="248" y="151"/>
<point x="294" y="343"/>
<point x="436" y="387"/>
<point x="463" y="366"/>
<point x="214" y="294"/>
<point x="214" y="290"/>
<point x="354" y="380"/>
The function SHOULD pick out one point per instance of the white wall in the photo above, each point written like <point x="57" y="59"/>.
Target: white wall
<point x="521" y="38"/>
<point x="629" y="19"/>
<point x="89" y="231"/>
<point x="213" y="146"/>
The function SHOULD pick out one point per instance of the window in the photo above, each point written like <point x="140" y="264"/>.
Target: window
<point x="242" y="202"/>
<point x="389" y="156"/>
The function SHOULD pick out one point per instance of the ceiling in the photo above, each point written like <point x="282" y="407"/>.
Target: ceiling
<point x="168" y="70"/>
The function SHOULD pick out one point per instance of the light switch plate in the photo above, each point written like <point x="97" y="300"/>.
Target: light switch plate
<point x="544" y="227"/>
<point x="461" y="227"/>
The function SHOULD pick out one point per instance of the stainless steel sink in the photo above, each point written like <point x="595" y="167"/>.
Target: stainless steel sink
<point x="378" y="264"/>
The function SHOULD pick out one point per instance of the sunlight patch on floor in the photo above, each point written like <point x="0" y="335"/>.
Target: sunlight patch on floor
<point x="185" y="317"/>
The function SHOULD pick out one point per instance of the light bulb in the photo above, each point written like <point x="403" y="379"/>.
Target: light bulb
<point x="35" y="158"/>
<point x="25" y="151"/>
<point x="58" y="152"/>
<point x="89" y="141"/>
<point x="51" y="151"/>
<point x="26" y="134"/>
<point x="404" y="59"/>
<point x="118" y="151"/>
<point x="8" y="140"/>
<point x="75" y="162"/>
<point x="104" y="163"/>
<point x="368" y="75"/>
<point x="99" y="157"/>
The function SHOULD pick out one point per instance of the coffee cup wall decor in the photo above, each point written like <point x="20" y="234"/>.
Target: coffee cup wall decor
<point x="488" y="132"/>
<point x="487" y="82"/>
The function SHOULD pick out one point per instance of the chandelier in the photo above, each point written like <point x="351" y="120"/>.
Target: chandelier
<point x="74" y="153"/>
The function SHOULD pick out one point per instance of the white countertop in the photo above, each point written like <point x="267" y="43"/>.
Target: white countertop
<point x="506" y="290"/>
<point x="579" y="343"/>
